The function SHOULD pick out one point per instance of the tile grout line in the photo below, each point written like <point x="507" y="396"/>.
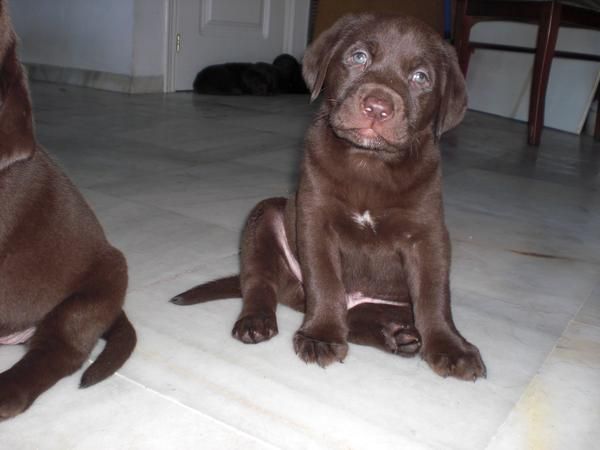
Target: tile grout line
<point x="196" y="411"/>
<point x="574" y="319"/>
<point x="522" y="396"/>
<point x="536" y="375"/>
<point x="584" y="323"/>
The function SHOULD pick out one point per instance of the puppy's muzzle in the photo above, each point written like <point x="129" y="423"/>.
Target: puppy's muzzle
<point x="378" y="106"/>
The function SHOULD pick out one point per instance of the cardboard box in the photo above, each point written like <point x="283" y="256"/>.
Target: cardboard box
<point x="429" y="11"/>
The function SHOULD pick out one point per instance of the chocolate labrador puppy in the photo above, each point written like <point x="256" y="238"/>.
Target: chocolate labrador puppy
<point x="362" y="247"/>
<point x="62" y="285"/>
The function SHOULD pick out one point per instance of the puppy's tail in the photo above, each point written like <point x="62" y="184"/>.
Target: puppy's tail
<point x="228" y="287"/>
<point x="120" y="342"/>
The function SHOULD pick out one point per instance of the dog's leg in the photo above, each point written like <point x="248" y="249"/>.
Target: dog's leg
<point x="64" y="339"/>
<point x="267" y="271"/>
<point x="445" y="350"/>
<point x="390" y="328"/>
<point x="322" y="339"/>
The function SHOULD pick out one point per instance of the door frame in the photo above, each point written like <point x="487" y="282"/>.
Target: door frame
<point x="171" y="28"/>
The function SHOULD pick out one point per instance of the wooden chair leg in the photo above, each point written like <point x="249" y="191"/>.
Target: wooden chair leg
<point x="546" y="43"/>
<point x="462" y="31"/>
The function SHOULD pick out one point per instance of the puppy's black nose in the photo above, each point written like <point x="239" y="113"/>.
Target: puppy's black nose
<point x="377" y="107"/>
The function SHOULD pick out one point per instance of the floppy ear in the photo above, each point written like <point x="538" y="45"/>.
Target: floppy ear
<point x="453" y="96"/>
<point x="318" y="55"/>
<point x="17" y="141"/>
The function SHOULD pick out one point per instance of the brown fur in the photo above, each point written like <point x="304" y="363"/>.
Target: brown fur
<point x="58" y="273"/>
<point x="372" y="147"/>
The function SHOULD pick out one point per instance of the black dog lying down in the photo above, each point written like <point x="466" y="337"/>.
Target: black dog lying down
<point x="284" y="76"/>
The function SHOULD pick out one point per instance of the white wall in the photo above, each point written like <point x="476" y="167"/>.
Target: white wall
<point x="82" y="34"/>
<point x="149" y="37"/>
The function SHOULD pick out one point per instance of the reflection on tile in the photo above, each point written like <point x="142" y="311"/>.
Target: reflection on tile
<point x="172" y="178"/>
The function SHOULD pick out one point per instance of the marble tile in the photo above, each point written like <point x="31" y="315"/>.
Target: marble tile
<point x="275" y="104"/>
<point x="289" y="404"/>
<point x="293" y="126"/>
<point x="512" y="213"/>
<point x="489" y="142"/>
<point x="561" y="406"/>
<point x="293" y="405"/>
<point x="514" y="276"/>
<point x="116" y="414"/>
<point x="89" y="164"/>
<point x="194" y="135"/>
<point x="157" y="243"/>
<point x="590" y="311"/>
<point x="205" y="190"/>
<point x="285" y="158"/>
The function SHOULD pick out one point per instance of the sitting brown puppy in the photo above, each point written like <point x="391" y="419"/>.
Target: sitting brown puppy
<point x="362" y="247"/>
<point x="62" y="285"/>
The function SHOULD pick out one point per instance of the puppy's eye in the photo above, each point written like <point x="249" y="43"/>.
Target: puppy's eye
<point x="419" y="77"/>
<point x="360" y="57"/>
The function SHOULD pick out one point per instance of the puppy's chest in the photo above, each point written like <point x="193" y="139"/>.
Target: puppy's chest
<point x="373" y="225"/>
<point x="364" y="220"/>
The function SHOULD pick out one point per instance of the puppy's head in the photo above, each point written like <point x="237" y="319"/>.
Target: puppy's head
<point x="387" y="80"/>
<point x="17" y="140"/>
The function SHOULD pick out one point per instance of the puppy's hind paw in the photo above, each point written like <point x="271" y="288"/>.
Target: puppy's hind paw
<point x="403" y="340"/>
<point x="255" y="328"/>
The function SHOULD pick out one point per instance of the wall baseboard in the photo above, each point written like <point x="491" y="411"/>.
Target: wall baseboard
<point x="95" y="79"/>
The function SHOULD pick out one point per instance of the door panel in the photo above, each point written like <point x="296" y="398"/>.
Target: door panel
<point x="219" y="31"/>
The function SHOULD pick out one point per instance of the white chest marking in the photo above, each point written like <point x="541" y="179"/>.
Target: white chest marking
<point x="364" y="220"/>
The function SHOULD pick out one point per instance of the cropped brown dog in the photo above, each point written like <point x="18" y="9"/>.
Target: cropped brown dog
<point x="62" y="285"/>
<point x="362" y="247"/>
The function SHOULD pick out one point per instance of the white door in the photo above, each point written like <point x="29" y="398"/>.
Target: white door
<point x="205" y="32"/>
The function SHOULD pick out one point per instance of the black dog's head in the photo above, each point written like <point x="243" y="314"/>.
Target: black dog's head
<point x="386" y="79"/>
<point x="17" y="140"/>
<point x="290" y="75"/>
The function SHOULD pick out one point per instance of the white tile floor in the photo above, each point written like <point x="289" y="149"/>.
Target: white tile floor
<point x="172" y="177"/>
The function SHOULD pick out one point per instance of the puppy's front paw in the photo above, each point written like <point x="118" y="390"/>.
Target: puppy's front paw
<point x="312" y="350"/>
<point x="455" y="357"/>
<point x="255" y="328"/>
